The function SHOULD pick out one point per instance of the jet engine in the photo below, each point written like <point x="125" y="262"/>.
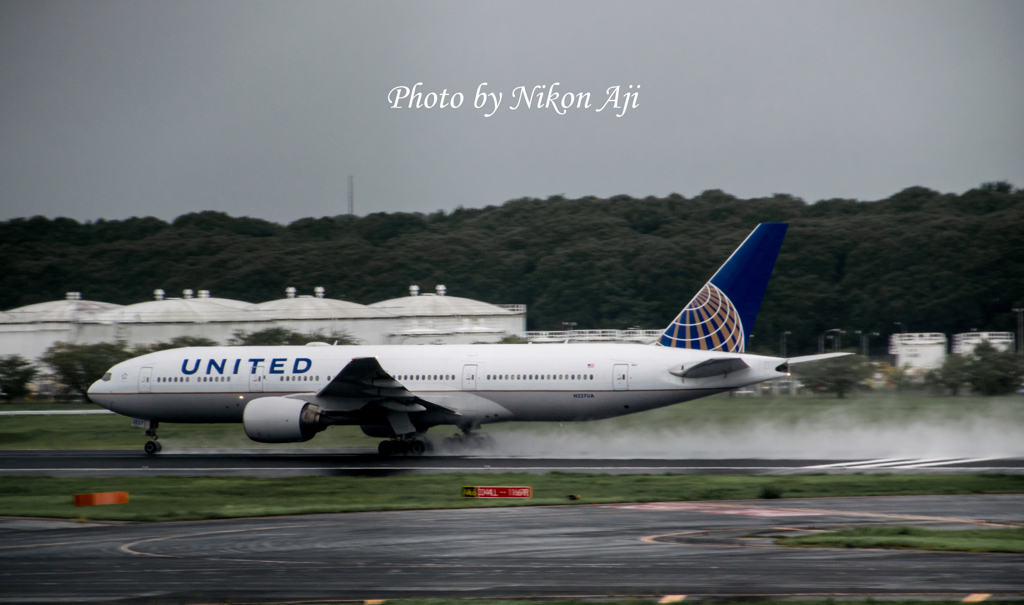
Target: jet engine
<point x="282" y="420"/>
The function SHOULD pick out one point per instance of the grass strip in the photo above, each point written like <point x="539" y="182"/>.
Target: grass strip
<point x="970" y="540"/>
<point x="180" y="498"/>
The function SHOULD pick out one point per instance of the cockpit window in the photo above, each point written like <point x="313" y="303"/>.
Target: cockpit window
<point x="106" y="377"/>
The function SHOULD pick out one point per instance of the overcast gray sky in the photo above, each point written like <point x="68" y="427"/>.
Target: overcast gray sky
<point x="112" y="109"/>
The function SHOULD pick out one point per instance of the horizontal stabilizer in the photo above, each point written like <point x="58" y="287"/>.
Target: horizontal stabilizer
<point x="714" y="367"/>
<point x="807" y="358"/>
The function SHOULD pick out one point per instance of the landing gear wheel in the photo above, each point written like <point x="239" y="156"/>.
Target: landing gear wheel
<point x="385" y="449"/>
<point x="417" y="447"/>
<point x="152" y="447"/>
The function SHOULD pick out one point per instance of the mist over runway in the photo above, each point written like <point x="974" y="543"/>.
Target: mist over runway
<point x="699" y="549"/>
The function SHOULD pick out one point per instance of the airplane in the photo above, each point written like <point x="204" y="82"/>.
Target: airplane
<point x="286" y="394"/>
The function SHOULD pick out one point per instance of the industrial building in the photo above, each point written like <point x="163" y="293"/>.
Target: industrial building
<point x="415" y="319"/>
<point x="963" y="344"/>
<point x="440" y="319"/>
<point x="920" y="351"/>
<point x="927" y="351"/>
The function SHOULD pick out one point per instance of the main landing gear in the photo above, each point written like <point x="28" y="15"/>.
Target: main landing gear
<point x="152" y="446"/>
<point x="410" y="447"/>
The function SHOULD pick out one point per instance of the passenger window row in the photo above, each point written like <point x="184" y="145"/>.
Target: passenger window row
<point x="448" y="377"/>
<point x="540" y="377"/>
<point x="426" y="377"/>
<point x="228" y="379"/>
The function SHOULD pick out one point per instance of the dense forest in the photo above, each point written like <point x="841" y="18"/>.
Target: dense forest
<point x="934" y="262"/>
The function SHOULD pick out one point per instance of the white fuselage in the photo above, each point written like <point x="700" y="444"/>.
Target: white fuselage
<point x="484" y="383"/>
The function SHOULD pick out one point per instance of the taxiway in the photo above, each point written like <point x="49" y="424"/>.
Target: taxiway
<point x="700" y="549"/>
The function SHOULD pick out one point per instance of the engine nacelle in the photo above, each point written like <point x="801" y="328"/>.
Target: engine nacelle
<point x="282" y="420"/>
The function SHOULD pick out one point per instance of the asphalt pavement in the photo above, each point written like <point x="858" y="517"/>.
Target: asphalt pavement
<point x="269" y="463"/>
<point x="704" y="550"/>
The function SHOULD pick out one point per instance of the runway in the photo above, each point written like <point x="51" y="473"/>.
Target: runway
<point x="265" y="463"/>
<point x="699" y="549"/>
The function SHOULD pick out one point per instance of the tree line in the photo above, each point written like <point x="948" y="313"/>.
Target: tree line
<point x="933" y="262"/>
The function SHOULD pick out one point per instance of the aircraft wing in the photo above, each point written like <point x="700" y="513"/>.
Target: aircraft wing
<point x="363" y="379"/>
<point x="714" y="367"/>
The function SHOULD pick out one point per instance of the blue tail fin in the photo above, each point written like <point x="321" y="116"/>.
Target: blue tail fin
<point x="722" y="314"/>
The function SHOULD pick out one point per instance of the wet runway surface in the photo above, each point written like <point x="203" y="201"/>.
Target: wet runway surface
<point x="264" y="463"/>
<point x="699" y="549"/>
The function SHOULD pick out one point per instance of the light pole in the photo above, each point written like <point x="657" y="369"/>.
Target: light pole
<point x="821" y="339"/>
<point x="864" y="336"/>
<point x="1020" y="330"/>
<point x="903" y="328"/>
<point x="782" y="344"/>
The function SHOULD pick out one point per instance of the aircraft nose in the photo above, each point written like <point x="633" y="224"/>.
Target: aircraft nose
<point x="99" y="387"/>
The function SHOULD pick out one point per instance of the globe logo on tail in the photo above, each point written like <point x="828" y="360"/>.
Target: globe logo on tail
<point x="710" y="322"/>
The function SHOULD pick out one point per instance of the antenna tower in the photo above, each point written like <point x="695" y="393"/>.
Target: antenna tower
<point x="351" y="195"/>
